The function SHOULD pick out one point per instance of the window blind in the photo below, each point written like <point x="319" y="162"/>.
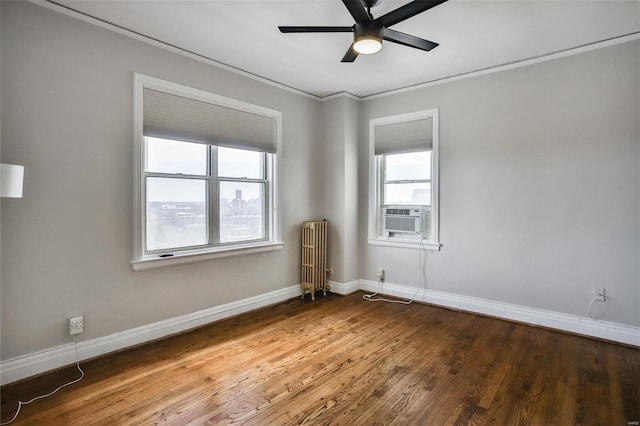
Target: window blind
<point x="171" y="116"/>
<point x="407" y="136"/>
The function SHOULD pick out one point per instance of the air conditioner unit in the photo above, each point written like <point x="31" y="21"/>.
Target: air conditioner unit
<point x="404" y="220"/>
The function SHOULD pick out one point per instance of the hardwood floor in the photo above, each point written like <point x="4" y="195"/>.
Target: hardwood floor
<point x="345" y="361"/>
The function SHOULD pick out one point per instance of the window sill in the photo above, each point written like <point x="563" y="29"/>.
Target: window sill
<point x="405" y="243"/>
<point x="153" y="262"/>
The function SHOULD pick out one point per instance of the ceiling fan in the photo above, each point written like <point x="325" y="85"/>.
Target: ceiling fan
<point x="368" y="32"/>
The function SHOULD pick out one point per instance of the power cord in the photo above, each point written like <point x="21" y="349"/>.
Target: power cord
<point x="599" y="295"/>
<point x="590" y="305"/>
<point x="21" y="403"/>
<point x="372" y="297"/>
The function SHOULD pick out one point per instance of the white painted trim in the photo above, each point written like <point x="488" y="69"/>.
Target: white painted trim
<point x="511" y="65"/>
<point x="344" y="288"/>
<point x="340" y="95"/>
<point x="414" y="245"/>
<point x="517" y="64"/>
<point x="162" y="45"/>
<point x="40" y="362"/>
<point x="36" y="363"/>
<point x="180" y="259"/>
<point x="565" y="322"/>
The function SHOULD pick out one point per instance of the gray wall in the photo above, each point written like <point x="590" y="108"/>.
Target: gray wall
<point x="66" y="246"/>
<point x="339" y="118"/>
<point x="539" y="179"/>
<point x="540" y="174"/>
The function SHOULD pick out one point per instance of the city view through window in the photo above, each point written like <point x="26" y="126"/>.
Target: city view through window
<point x="177" y="209"/>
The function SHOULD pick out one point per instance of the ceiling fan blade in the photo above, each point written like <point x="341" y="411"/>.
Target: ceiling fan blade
<point x="350" y="56"/>
<point x="357" y="10"/>
<point x="316" y="29"/>
<point x="407" y="40"/>
<point x="407" y="11"/>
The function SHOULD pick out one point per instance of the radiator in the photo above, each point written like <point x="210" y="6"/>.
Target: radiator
<point x="314" y="257"/>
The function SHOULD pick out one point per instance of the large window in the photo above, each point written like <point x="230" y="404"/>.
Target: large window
<point x="206" y="176"/>
<point x="404" y="181"/>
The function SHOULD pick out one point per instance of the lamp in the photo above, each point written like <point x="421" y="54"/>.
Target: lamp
<point x="11" y="177"/>
<point x="367" y="37"/>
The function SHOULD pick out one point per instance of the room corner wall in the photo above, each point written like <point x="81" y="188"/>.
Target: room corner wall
<point x="339" y="119"/>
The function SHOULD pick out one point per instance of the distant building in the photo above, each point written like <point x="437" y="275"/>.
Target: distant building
<point x="238" y="205"/>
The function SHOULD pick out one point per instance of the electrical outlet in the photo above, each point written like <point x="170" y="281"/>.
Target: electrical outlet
<point x="76" y="326"/>
<point x="600" y="294"/>
<point x="381" y="274"/>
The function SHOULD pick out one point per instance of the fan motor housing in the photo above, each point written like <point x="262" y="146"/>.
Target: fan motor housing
<point x="369" y="29"/>
<point x="371" y="3"/>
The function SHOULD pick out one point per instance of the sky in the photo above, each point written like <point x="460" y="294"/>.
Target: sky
<point x="167" y="156"/>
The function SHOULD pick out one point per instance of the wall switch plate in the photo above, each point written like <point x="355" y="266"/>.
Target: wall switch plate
<point x="76" y="326"/>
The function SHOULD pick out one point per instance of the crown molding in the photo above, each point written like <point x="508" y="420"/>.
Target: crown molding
<point x="512" y="65"/>
<point x="56" y="7"/>
<point x="50" y="4"/>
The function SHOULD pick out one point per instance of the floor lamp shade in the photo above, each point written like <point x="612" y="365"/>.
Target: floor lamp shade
<point x="11" y="183"/>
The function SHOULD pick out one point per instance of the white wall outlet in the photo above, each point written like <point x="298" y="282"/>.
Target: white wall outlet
<point x="600" y="294"/>
<point x="381" y="274"/>
<point x="76" y="326"/>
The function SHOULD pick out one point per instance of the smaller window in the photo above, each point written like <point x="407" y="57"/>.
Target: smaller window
<point x="404" y="192"/>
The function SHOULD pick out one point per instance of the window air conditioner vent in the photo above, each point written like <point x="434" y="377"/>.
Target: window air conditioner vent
<point x="402" y="220"/>
<point x="404" y="212"/>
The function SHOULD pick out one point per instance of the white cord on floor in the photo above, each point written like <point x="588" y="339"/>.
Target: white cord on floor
<point x="370" y="297"/>
<point x="21" y="403"/>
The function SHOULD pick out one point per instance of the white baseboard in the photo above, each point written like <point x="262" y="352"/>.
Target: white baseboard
<point x="50" y="359"/>
<point x="565" y="322"/>
<point x="36" y="363"/>
<point x="344" y="288"/>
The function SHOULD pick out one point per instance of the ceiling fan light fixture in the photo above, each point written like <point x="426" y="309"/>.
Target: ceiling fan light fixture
<point x="367" y="46"/>
<point x="368" y="32"/>
<point x="367" y="38"/>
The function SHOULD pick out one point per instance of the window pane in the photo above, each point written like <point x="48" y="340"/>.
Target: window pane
<point x="407" y="193"/>
<point x="410" y="166"/>
<point x="241" y="211"/>
<point x="169" y="156"/>
<point x="240" y="163"/>
<point x="176" y="213"/>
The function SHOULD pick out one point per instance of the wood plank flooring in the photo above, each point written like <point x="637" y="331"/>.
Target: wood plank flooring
<point x="344" y="361"/>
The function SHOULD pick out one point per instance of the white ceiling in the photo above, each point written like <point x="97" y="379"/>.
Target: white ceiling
<point x="473" y="35"/>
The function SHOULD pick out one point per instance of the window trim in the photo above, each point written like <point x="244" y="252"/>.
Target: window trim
<point x="376" y="181"/>
<point x="273" y="228"/>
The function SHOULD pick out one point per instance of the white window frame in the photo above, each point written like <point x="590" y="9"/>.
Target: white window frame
<point x="273" y="240"/>
<point x="376" y="181"/>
